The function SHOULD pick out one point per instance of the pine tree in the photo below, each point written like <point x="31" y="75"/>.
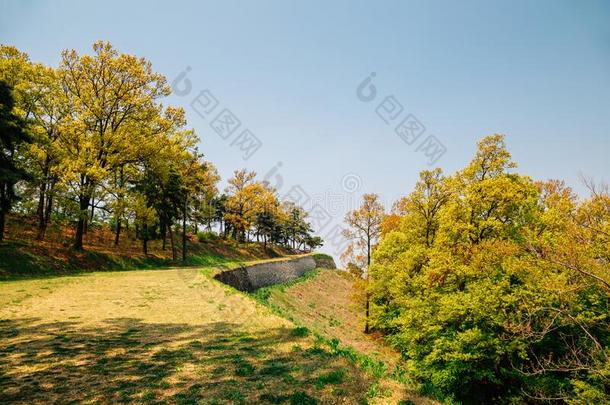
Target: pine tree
<point x="12" y="135"/>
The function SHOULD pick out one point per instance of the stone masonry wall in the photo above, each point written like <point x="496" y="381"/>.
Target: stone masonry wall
<point x="249" y="278"/>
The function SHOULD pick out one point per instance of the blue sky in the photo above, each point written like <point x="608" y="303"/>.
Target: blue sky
<point x="536" y="71"/>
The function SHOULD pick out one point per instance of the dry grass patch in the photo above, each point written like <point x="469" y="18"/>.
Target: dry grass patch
<point x="163" y="336"/>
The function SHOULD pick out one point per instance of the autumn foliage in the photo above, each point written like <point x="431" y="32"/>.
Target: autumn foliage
<point x="100" y="146"/>
<point x="495" y="288"/>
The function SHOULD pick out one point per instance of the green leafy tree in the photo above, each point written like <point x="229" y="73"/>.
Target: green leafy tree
<point x="313" y="242"/>
<point x="49" y="111"/>
<point x="164" y="191"/>
<point x="296" y="228"/>
<point x="266" y="224"/>
<point x="12" y="135"/>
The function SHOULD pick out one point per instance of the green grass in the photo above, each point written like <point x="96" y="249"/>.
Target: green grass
<point x="332" y="377"/>
<point x="263" y="294"/>
<point x="322" y="256"/>
<point x="22" y="259"/>
<point x="142" y="372"/>
<point x="297" y="398"/>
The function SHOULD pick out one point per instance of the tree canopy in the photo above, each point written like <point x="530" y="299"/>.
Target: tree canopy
<point x="103" y="147"/>
<point x="494" y="287"/>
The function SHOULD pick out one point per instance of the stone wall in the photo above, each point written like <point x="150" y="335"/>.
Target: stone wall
<point x="249" y="278"/>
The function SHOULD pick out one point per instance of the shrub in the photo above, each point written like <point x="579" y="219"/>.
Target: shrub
<point x="300" y="331"/>
<point x="206" y="237"/>
<point x="324" y="261"/>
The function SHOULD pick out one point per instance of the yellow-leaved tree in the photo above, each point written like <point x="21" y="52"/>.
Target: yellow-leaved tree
<point x="363" y="231"/>
<point x="495" y="288"/>
<point x="243" y="202"/>
<point x="115" y="113"/>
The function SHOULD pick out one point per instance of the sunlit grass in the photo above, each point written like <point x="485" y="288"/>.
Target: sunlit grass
<point x="153" y="336"/>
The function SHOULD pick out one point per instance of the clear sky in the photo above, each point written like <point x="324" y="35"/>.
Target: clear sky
<point x="536" y="71"/>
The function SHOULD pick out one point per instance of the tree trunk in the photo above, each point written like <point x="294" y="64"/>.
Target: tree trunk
<point x="120" y="183"/>
<point x="368" y="295"/>
<point x="40" y="211"/>
<point x="118" y="232"/>
<point x="368" y="254"/>
<point x="47" y="213"/>
<point x="2" y="222"/>
<point x="44" y="192"/>
<point x="78" y="238"/>
<point x="163" y="235"/>
<point x="184" y="232"/>
<point x="89" y="220"/>
<point x="172" y="242"/>
<point x="80" y="226"/>
<point x="366" y="324"/>
<point x="145" y="239"/>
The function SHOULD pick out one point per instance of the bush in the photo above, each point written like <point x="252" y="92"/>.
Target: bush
<point x="324" y="261"/>
<point x="206" y="237"/>
<point x="300" y="331"/>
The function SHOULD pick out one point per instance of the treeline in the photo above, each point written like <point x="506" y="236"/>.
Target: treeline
<point x="91" y="141"/>
<point x="494" y="287"/>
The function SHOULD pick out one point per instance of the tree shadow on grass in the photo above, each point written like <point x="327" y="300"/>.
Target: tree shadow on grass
<point x="126" y="360"/>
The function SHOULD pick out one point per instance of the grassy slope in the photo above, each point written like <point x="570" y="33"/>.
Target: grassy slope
<point x="173" y="336"/>
<point x="23" y="257"/>
<point x="324" y="302"/>
<point x="177" y="335"/>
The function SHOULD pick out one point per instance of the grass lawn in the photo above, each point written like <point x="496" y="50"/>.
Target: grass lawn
<point x="161" y="336"/>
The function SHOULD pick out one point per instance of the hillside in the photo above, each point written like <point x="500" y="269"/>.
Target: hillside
<point x="165" y="335"/>
<point x="325" y="302"/>
<point x="76" y="323"/>
<point x="179" y="336"/>
<point x="21" y="256"/>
